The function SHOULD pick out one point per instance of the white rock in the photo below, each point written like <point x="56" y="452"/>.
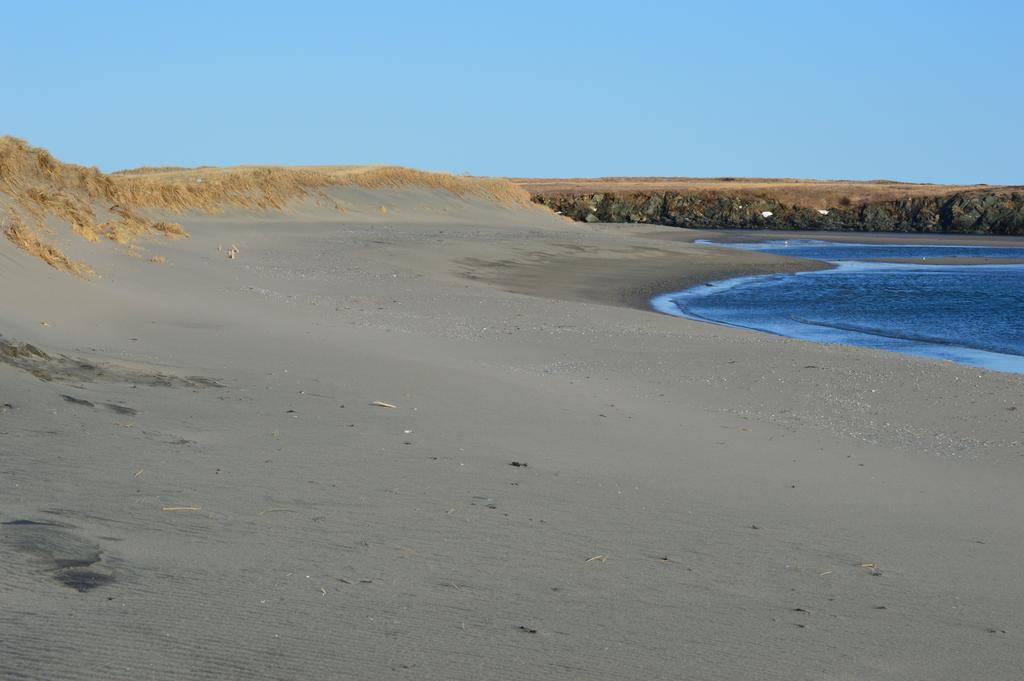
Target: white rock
<point x="766" y="213"/>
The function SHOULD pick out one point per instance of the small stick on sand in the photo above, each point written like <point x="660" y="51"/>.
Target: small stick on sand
<point x="182" y="508"/>
<point x="377" y="403"/>
<point x="603" y="557"/>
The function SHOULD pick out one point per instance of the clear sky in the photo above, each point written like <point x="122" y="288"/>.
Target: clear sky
<point x="921" y="91"/>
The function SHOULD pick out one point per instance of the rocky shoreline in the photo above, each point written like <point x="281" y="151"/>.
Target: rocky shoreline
<point x="969" y="212"/>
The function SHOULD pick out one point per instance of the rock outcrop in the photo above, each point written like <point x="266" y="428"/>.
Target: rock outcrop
<point x="975" y="212"/>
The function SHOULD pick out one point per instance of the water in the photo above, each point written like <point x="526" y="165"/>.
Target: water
<point x="972" y="314"/>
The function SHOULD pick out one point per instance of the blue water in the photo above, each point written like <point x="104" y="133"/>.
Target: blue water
<point x="972" y="314"/>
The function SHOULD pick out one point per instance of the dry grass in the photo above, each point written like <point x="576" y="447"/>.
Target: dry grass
<point x="273" y="187"/>
<point x="128" y="226"/>
<point x="803" y="193"/>
<point x="42" y="187"/>
<point x="145" y="170"/>
<point x="18" y="233"/>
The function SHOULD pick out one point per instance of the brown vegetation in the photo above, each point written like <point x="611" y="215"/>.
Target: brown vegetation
<point x="272" y="187"/>
<point x="21" y="236"/>
<point x="40" y="186"/>
<point x="816" y="194"/>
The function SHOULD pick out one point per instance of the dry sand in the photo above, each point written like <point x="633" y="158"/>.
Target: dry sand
<point x="197" y="484"/>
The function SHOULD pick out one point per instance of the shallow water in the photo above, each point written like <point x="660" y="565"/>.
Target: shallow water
<point x="973" y="314"/>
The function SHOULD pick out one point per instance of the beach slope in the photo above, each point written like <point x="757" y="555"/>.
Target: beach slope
<point x="409" y="432"/>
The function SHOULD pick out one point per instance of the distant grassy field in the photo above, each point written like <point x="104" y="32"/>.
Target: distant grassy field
<point x="803" y="193"/>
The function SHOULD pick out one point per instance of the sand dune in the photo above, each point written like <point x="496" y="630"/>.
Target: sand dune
<point x="197" y="482"/>
<point x="34" y="186"/>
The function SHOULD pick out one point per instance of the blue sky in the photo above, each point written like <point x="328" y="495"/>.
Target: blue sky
<point x="912" y="91"/>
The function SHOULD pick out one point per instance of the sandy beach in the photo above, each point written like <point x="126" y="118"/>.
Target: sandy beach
<point x="441" y="437"/>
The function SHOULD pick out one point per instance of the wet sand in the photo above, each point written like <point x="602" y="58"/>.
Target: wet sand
<point x="560" y="483"/>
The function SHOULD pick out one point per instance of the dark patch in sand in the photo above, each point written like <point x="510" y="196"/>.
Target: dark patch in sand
<point x="31" y="522"/>
<point x="82" y="580"/>
<point x="119" y="409"/>
<point x="63" y="368"/>
<point x="203" y="382"/>
<point x="72" y="561"/>
<point x="75" y="400"/>
<point x="18" y="351"/>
